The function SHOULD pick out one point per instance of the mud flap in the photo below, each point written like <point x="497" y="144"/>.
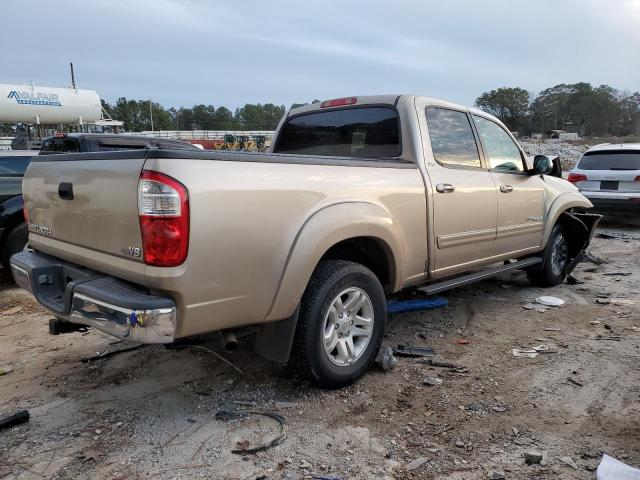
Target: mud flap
<point x="579" y="228"/>
<point x="274" y="340"/>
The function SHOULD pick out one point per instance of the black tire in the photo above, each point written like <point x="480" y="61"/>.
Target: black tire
<point x="553" y="271"/>
<point x="308" y="356"/>
<point x="14" y="243"/>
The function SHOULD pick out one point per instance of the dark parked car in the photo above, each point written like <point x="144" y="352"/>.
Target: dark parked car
<point x="13" y="230"/>
<point x="101" y="142"/>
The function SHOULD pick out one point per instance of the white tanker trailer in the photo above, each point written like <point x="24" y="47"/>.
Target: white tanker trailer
<point x="48" y="105"/>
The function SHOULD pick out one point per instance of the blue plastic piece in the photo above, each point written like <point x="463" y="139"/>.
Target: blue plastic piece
<point x="397" y="306"/>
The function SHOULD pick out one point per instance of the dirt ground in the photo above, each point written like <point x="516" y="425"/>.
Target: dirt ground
<point x="151" y="412"/>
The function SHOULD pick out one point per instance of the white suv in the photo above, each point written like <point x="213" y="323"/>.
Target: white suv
<point x="609" y="176"/>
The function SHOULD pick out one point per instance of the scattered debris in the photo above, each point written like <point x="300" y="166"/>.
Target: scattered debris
<point x="537" y="307"/>
<point x="13" y="419"/>
<point x="243" y="447"/>
<point x="634" y="328"/>
<point x="568" y="461"/>
<point x="591" y="258"/>
<point x="215" y="354"/>
<point x="612" y="469"/>
<point x="575" y="382"/>
<point x="550" y="301"/>
<point x="397" y="306"/>
<point x="613" y="338"/>
<point x="432" y="381"/>
<point x="435" y="363"/>
<point x="109" y="353"/>
<point x="318" y="477"/>
<point x="463" y="341"/>
<point x="416" y="463"/>
<point x="5" y="369"/>
<point x="90" y="454"/>
<point x="572" y="280"/>
<point x="603" y="301"/>
<point x="531" y="352"/>
<point x="283" y="405"/>
<point x="496" y="476"/>
<point x="617" y="235"/>
<point x="617" y="274"/>
<point x="531" y="457"/>
<point x="385" y="359"/>
<point x="411" y="351"/>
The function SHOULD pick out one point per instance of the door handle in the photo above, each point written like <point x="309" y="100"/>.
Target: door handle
<point x="506" y="188"/>
<point x="444" y="188"/>
<point x="65" y="191"/>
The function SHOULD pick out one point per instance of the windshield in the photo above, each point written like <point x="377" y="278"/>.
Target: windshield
<point x="349" y="132"/>
<point x="611" y="160"/>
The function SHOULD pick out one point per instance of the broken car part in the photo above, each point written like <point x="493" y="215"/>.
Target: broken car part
<point x="13" y="419"/>
<point x="413" y="351"/>
<point x="397" y="306"/>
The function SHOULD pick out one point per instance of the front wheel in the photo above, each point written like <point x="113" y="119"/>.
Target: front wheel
<point x="555" y="260"/>
<point x="342" y="320"/>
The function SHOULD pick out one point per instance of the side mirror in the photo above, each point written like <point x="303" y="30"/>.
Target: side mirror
<point x="542" y="165"/>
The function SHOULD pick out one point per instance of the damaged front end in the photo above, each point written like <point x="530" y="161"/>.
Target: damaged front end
<point x="579" y="228"/>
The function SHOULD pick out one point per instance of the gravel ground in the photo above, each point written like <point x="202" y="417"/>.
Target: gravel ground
<point x="569" y="153"/>
<point x="151" y="412"/>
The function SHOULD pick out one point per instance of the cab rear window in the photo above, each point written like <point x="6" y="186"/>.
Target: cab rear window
<point x="611" y="160"/>
<point x="14" y="166"/>
<point x="348" y="132"/>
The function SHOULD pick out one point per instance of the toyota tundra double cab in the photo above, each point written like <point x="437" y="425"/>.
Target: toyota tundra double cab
<point x="359" y="197"/>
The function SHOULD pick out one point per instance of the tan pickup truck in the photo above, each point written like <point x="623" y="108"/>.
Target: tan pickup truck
<point x="359" y="197"/>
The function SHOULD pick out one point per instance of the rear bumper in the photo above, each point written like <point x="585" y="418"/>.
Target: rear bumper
<point x="86" y="297"/>
<point x="616" y="205"/>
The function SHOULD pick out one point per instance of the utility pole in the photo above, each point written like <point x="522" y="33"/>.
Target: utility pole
<point x="151" y="114"/>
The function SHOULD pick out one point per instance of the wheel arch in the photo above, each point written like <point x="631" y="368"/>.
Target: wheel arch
<point x="357" y="231"/>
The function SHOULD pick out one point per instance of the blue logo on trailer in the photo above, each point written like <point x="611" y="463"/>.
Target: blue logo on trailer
<point x="36" y="98"/>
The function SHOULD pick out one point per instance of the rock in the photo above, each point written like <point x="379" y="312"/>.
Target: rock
<point x="305" y="465"/>
<point x="385" y="359"/>
<point x="531" y="457"/>
<point x="496" y="476"/>
<point x="416" y="463"/>
<point x="6" y="369"/>
<point x="460" y="443"/>
<point x="568" y="461"/>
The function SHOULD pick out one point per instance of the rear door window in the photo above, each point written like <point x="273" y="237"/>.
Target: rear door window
<point x="504" y="155"/>
<point x="611" y="160"/>
<point x="452" y="140"/>
<point x="349" y="132"/>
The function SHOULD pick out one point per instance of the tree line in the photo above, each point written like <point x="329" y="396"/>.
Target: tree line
<point x="578" y="107"/>
<point x="137" y="116"/>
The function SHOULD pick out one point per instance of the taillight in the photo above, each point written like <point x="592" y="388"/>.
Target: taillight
<point x="637" y="179"/>
<point x="576" y="177"/>
<point x="25" y="212"/>
<point x="163" y="206"/>
<point x="339" y="102"/>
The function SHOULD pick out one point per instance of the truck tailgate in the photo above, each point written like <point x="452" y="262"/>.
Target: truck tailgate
<point x="87" y="199"/>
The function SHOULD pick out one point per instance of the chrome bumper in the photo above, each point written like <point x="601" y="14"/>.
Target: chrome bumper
<point x="105" y="303"/>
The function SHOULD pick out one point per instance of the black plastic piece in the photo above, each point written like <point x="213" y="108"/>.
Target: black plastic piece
<point x="11" y="420"/>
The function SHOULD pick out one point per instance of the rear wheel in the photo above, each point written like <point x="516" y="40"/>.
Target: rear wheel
<point x="342" y="319"/>
<point x="15" y="242"/>
<point x="555" y="259"/>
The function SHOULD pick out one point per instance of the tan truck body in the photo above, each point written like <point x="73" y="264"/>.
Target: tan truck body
<point x="261" y="223"/>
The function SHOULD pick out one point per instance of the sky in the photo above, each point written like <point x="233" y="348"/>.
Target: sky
<point x="181" y="53"/>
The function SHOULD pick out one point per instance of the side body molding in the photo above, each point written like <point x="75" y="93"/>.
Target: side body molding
<point x="325" y="228"/>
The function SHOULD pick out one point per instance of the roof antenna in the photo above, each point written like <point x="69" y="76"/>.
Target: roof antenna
<point x="73" y="78"/>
